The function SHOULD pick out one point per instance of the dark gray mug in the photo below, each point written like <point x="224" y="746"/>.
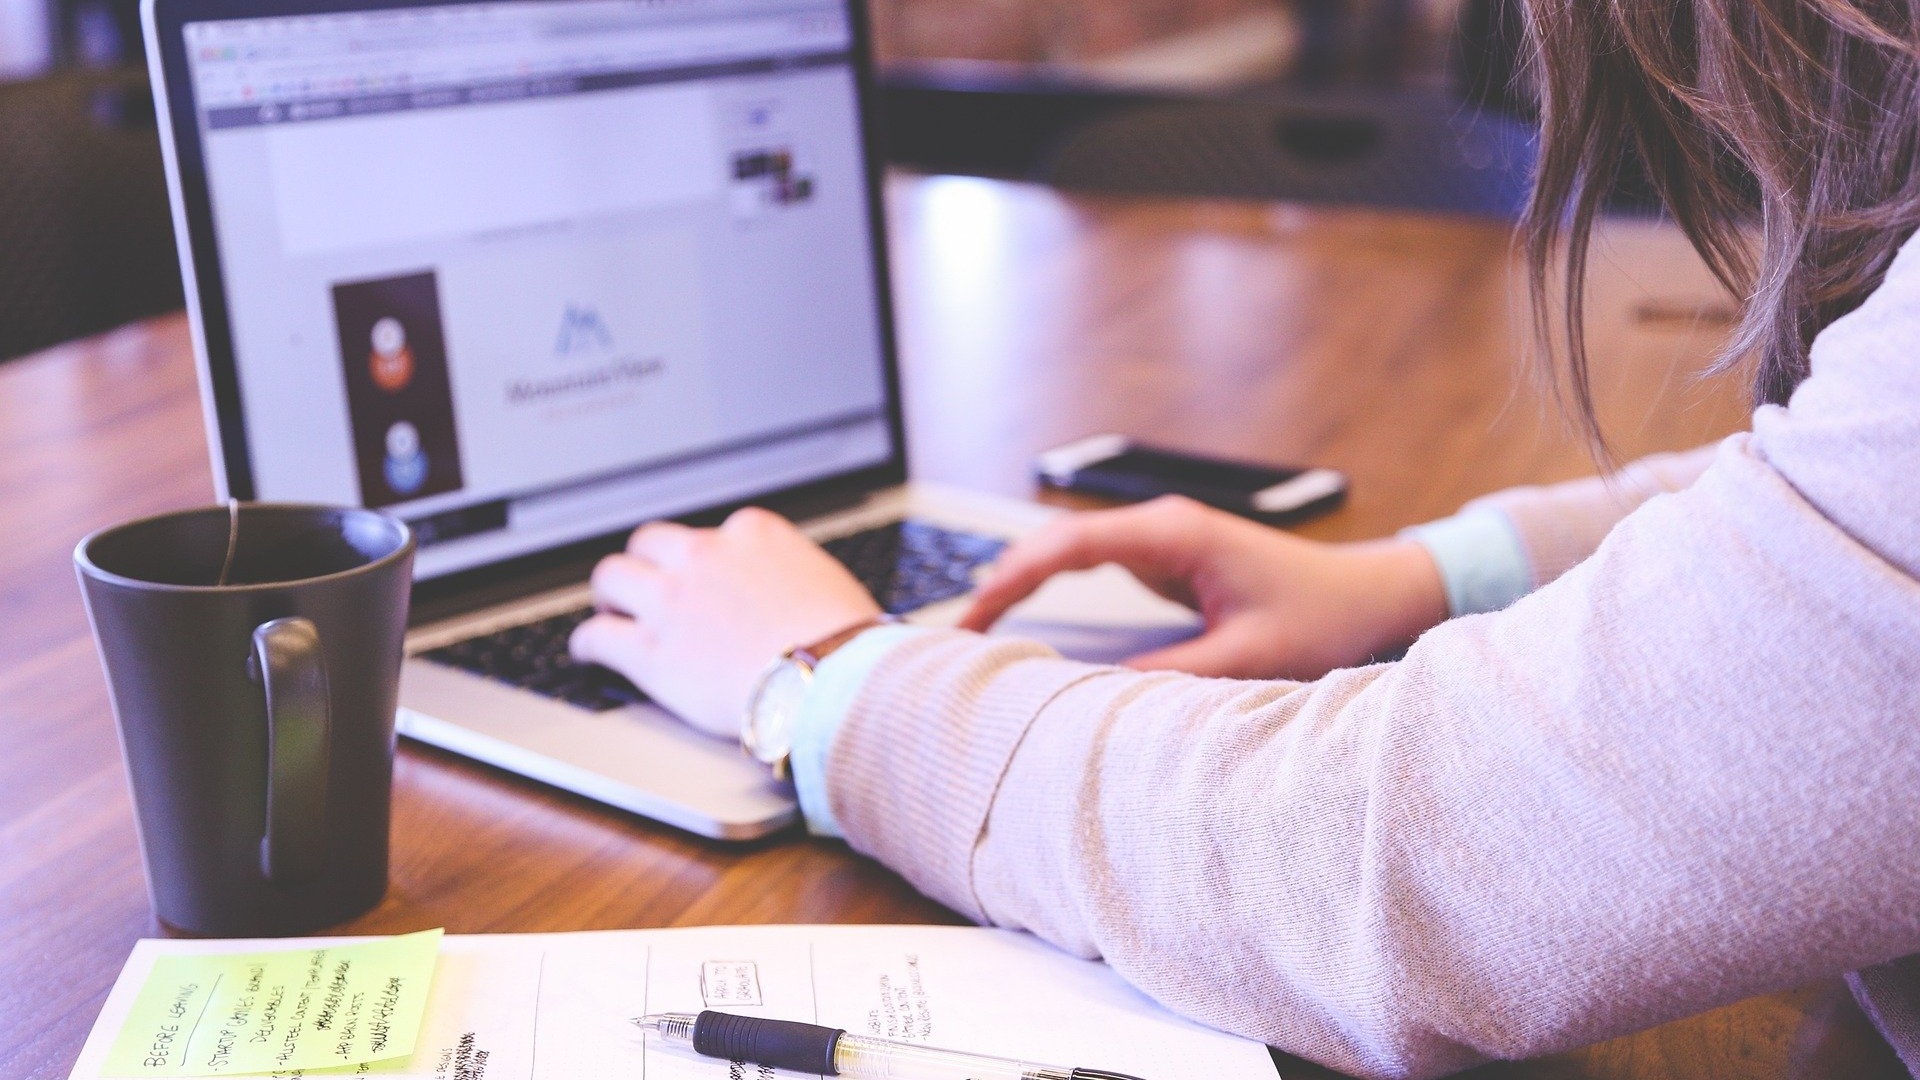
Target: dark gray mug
<point x="257" y="715"/>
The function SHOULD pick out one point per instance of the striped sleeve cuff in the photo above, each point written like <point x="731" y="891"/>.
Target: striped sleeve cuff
<point x="836" y="682"/>
<point x="1481" y="560"/>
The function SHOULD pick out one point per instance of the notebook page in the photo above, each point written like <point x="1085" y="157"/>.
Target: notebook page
<point x="558" y="1006"/>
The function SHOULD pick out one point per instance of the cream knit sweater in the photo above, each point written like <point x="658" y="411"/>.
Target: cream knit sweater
<point x="1681" y="772"/>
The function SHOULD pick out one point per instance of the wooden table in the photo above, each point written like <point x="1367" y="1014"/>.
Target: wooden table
<point x="1384" y="345"/>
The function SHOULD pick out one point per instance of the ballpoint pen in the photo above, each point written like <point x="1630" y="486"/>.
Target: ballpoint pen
<point x="825" y="1051"/>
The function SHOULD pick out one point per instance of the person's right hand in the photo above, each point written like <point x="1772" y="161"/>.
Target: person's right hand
<point x="1275" y="605"/>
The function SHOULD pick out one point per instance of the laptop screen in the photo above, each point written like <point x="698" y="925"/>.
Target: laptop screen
<point x="526" y="273"/>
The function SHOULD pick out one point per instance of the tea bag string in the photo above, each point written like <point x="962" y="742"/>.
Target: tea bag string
<point x="233" y="540"/>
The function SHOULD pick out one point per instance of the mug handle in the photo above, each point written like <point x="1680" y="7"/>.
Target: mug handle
<point x="293" y="672"/>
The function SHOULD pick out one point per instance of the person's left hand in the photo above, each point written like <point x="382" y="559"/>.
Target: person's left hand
<point x="692" y="616"/>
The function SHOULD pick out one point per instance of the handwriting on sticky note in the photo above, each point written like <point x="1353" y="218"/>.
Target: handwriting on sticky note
<point x="274" y="1012"/>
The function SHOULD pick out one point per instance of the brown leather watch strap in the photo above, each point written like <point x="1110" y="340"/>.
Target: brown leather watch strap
<point x="811" y="655"/>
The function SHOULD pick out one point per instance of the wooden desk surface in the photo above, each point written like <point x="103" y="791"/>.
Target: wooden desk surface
<point x="1384" y="345"/>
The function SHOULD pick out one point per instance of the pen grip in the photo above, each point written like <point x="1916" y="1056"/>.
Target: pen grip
<point x="783" y="1044"/>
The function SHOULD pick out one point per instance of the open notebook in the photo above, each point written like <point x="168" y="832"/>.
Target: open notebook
<point x="557" y="1006"/>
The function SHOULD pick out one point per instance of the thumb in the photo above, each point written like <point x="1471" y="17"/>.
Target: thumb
<point x="1219" y="652"/>
<point x="1156" y="541"/>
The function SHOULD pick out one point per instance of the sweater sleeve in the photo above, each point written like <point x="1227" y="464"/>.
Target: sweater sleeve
<point x="1482" y="565"/>
<point x="1503" y="546"/>
<point x="1680" y="774"/>
<point x="1561" y="524"/>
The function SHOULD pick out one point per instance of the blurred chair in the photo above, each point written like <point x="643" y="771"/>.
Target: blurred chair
<point x="987" y="123"/>
<point x="1418" y="149"/>
<point x="86" y="238"/>
<point x="1407" y="150"/>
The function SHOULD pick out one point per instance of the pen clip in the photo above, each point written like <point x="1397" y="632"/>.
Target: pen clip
<point x="1100" y="1074"/>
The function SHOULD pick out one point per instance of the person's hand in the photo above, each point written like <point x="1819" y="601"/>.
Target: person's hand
<point x="1275" y="605"/>
<point x="692" y="616"/>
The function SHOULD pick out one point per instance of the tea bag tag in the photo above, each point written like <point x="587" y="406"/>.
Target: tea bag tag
<point x="233" y="540"/>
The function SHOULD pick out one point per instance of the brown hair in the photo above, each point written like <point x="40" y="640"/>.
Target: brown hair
<point x="1783" y="137"/>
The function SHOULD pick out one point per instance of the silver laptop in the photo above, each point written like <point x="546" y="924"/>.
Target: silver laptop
<point x="527" y="274"/>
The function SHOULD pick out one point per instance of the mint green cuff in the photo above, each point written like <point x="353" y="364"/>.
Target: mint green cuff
<point x="1481" y="560"/>
<point x="836" y="683"/>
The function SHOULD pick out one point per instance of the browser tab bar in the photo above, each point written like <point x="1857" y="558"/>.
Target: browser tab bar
<point x="482" y="50"/>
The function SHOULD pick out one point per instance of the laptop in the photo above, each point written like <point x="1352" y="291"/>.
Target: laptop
<point x="530" y="273"/>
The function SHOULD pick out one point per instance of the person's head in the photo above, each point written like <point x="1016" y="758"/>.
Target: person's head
<point x="1782" y="135"/>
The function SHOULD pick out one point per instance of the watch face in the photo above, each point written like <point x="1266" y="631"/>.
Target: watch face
<point x="776" y="710"/>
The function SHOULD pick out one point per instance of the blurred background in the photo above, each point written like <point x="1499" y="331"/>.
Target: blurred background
<point x="1404" y="103"/>
<point x="1192" y="44"/>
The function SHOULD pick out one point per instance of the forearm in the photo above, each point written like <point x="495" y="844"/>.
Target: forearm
<point x="1558" y="525"/>
<point x="1541" y="828"/>
<point x="1501" y="547"/>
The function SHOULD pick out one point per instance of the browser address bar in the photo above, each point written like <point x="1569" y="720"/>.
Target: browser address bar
<point x="530" y="47"/>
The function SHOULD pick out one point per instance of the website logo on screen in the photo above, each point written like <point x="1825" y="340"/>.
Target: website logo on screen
<point x="582" y="331"/>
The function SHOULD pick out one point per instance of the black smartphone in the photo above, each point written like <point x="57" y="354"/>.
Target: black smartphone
<point x="1116" y="467"/>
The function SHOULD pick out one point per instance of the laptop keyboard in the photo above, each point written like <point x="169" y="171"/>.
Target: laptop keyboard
<point x="533" y="656"/>
<point x="906" y="565"/>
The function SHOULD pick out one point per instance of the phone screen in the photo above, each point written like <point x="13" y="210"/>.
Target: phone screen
<point x="1113" y="467"/>
<point x="1182" y="472"/>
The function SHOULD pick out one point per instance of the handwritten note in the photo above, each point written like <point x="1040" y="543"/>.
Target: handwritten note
<point x="275" y="1012"/>
<point x="726" y="983"/>
<point x="559" y="1006"/>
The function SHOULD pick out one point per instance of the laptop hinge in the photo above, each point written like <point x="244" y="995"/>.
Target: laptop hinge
<point x="818" y="504"/>
<point x="432" y="606"/>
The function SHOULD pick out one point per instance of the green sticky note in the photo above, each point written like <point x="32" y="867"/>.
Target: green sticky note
<point x="275" y="1012"/>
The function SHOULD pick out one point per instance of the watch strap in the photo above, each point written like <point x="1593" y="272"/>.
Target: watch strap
<point x="811" y="655"/>
<point x="807" y="658"/>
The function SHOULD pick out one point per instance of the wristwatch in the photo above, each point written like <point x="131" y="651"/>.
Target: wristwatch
<point x="773" y="709"/>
